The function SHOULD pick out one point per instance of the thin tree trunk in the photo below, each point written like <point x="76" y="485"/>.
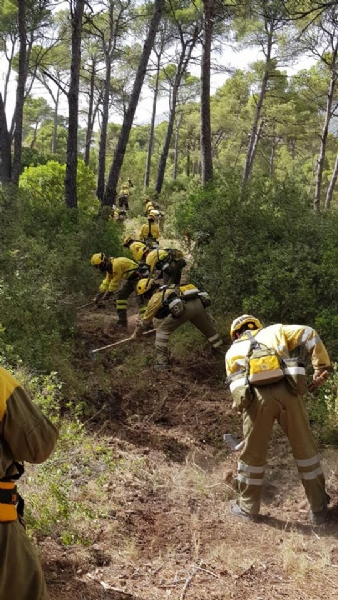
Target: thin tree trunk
<point x="20" y="92"/>
<point x="188" y="163"/>
<point x="5" y="147"/>
<point x="206" y="155"/>
<point x="55" y="121"/>
<point x="152" y="127"/>
<point x="253" y="136"/>
<point x="325" y="132"/>
<point x="104" y="127"/>
<point x="89" y="131"/>
<point x="181" y="69"/>
<point x="255" y="145"/>
<point x="332" y="185"/>
<point x="73" y="105"/>
<point x="110" y="192"/>
<point x="178" y="124"/>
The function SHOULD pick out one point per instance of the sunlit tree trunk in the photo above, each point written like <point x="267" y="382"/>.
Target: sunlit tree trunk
<point x="152" y="127"/>
<point x="73" y="106"/>
<point x="332" y="185"/>
<point x="206" y="152"/>
<point x="110" y="191"/>
<point x="20" y="92"/>
<point x="325" y="132"/>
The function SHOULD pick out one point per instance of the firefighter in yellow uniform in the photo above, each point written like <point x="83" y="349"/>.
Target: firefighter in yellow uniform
<point x="150" y="232"/>
<point x="137" y="249"/>
<point x="118" y="270"/>
<point x="149" y="206"/>
<point x="263" y="403"/>
<point x="169" y="308"/>
<point x="125" y="194"/>
<point x="26" y="435"/>
<point x="169" y="263"/>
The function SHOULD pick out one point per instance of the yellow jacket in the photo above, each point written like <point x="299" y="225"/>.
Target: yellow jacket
<point x="283" y="339"/>
<point x="137" y="250"/>
<point x="156" y="301"/>
<point x="26" y="434"/>
<point x="122" y="268"/>
<point x="154" y="257"/>
<point x="149" y="230"/>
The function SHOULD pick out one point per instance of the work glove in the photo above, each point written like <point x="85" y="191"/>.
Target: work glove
<point x="319" y="377"/>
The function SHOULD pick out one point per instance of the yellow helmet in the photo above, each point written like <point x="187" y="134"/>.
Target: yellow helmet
<point x="127" y="240"/>
<point x="249" y="320"/>
<point x="152" y="214"/>
<point x="144" y="285"/>
<point x="97" y="259"/>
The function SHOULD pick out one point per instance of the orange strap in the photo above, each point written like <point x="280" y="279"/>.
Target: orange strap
<point x="8" y="501"/>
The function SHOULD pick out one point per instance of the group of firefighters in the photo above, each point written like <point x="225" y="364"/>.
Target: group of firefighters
<point x="265" y="381"/>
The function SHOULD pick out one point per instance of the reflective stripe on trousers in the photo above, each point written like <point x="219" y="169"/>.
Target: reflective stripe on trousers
<point x="276" y="402"/>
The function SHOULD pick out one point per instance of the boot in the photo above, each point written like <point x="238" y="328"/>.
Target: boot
<point x="122" y="319"/>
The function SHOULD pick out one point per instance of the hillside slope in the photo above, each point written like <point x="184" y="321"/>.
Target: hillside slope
<point x="155" y="498"/>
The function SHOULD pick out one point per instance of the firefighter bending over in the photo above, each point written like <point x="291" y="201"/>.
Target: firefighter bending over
<point x="267" y="385"/>
<point x="169" y="308"/>
<point x="118" y="270"/>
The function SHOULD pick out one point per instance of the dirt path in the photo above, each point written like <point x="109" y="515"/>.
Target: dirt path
<point x="166" y="530"/>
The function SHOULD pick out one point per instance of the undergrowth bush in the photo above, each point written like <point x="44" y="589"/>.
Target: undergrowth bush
<point x="264" y="252"/>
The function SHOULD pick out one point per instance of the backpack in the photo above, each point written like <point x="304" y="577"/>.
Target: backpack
<point x="263" y="365"/>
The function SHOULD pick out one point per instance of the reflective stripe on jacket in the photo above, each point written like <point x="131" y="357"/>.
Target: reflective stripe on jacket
<point x="283" y="339"/>
<point x="154" y="257"/>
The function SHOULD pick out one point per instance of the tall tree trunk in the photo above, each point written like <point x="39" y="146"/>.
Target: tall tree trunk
<point x="73" y="106"/>
<point x="178" y="124"/>
<point x="325" y="132"/>
<point x="188" y="163"/>
<point x="332" y="185"/>
<point x="5" y="147"/>
<point x="255" y="145"/>
<point x="105" y="118"/>
<point x="20" y="92"/>
<point x="186" y="51"/>
<point x="253" y="135"/>
<point x="89" y="131"/>
<point x="110" y="191"/>
<point x="206" y="154"/>
<point x="152" y="127"/>
<point x="55" y="121"/>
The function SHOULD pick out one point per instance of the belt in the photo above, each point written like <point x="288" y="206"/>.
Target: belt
<point x="8" y="501"/>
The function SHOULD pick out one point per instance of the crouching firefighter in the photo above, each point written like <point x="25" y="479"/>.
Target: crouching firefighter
<point x="25" y="435"/>
<point x="119" y="270"/>
<point x="267" y="385"/>
<point x="168" y="308"/>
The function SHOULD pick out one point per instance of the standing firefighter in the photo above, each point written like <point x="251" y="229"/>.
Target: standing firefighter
<point x="150" y="232"/>
<point x="118" y="270"/>
<point x="26" y="435"/>
<point x="268" y="385"/>
<point x="125" y="194"/>
<point x="169" y="308"/>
